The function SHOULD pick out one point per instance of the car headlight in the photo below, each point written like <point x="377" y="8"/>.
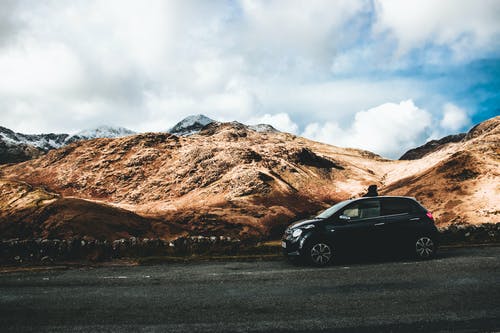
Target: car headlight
<point x="296" y="233"/>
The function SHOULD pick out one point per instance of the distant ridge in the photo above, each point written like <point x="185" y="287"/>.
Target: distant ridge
<point x="19" y="147"/>
<point x="430" y="146"/>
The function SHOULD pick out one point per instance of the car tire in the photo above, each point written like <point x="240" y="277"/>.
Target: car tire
<point x="425" y="247"/>
<point x="319" y="253"/>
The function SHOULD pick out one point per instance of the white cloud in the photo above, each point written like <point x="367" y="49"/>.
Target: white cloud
<point x="463" y="25"/>
<point x="454" y="118"/>
<point x="295" y="29"/>
<point x="280" y="121"/>
<point x="145" y="65"/>
<point x="388" y="129"/>
<point x="34" y="69"/>
<point x="80" y="64"/>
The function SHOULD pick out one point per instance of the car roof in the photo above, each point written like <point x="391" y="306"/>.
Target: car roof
<point x="384" y="196"/>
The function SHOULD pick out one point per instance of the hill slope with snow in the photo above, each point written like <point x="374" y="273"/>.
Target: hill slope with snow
<point x="18" y="147"/>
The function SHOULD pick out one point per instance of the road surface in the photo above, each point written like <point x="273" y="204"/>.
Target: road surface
<point x="458" y="291"/>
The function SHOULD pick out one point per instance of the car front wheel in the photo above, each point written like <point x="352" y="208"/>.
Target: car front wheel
<point x="320" y="254"/>
<point x="425" y="247"/>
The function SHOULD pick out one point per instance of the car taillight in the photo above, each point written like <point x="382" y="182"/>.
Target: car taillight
<point x="429" y="215"/>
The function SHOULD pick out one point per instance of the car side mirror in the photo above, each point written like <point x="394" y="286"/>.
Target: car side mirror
<point x="344" y="217"/>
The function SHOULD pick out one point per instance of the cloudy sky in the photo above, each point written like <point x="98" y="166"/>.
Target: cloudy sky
<point x="380" y="75"/>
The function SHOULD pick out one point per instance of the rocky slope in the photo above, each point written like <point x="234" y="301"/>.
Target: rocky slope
<point x="229" y="179"/>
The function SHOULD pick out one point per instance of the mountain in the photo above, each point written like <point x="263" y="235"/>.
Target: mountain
<point x="18" y="147"/>
<point x="190" y="125"/>
<point x="225" y="180"/>
<point x="228" y="179"/>
<point x="429" y="147"/>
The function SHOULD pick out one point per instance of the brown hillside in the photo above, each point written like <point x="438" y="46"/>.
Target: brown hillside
<point x="228" y="179"/>
<point x="30" y="212"/>
<point x="231" y="180"/>
<point x="461" y="182"/>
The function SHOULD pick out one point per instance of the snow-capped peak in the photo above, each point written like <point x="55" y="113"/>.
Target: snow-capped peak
<point x="104" y="132"/>
<point x="190" y="125"/>
<point x="263" y="128"/>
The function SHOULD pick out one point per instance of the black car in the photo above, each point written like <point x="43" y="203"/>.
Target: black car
<point x="368" y="225"/>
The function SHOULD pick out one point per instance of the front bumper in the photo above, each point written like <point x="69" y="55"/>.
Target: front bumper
<point x="290" y="248"/>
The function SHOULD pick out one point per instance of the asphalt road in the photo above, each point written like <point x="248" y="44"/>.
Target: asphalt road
<point x="458" y="291"/>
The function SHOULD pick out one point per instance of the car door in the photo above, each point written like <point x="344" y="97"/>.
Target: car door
<point x="400" y="214"/>
<point x="355" y="227"/>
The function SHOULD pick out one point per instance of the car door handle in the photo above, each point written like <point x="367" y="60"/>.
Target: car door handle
<point x="415" y="219"/>
<point x="381" y="223"/>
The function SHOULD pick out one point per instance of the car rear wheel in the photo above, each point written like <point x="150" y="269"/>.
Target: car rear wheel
<point x="425" y="247"/>
<point x="320" y="254"/>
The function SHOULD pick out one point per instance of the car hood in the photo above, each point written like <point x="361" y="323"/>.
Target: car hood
<point x="302" y="223"/>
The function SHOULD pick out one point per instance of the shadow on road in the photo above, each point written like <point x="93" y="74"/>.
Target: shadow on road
<point x="378" y="258"/>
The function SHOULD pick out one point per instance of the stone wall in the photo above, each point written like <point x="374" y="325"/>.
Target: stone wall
<point x="471" y="234"/>
<point x="54" y="250"/>
<point x="47" y="251"/>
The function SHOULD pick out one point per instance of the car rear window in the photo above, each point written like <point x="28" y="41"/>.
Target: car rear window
<point x="392" y="206"/>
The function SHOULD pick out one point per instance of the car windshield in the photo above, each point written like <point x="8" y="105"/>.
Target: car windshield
<point x="332" y="210"/>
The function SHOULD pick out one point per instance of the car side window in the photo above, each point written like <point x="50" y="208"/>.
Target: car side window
<point x="362" y="210"/>
<point x="393" y="206"/>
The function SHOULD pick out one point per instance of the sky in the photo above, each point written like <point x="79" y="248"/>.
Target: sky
<point x="384" y="76"/>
